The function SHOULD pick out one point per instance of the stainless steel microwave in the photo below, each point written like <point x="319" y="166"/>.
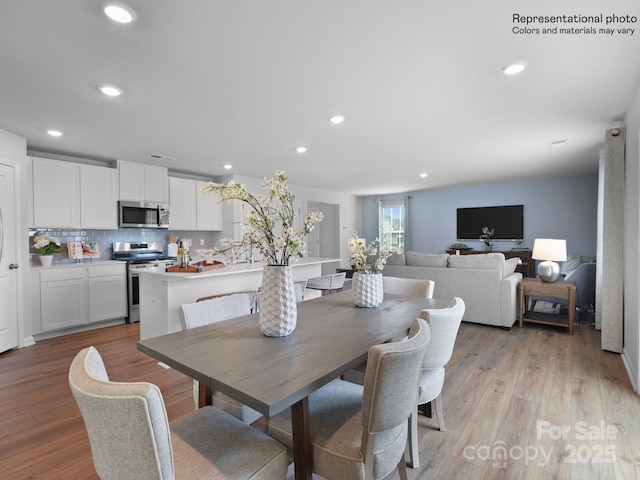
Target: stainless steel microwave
<point x="143" y="214"/>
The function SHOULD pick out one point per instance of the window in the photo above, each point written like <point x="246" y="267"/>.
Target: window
<point x="392" y="227"/>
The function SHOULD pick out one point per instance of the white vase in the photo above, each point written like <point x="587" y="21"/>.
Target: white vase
<point x="46" y="260"/>
<point x="366" y="289"/>
<point x="278" y="311"/>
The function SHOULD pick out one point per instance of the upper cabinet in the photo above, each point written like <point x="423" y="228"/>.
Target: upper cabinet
<point x="145" y="183"/>
<point x="56" y="194"/>
<point x="190" y="208"/>
<point x="73" y="195"/>
<point x="98" y="197"/>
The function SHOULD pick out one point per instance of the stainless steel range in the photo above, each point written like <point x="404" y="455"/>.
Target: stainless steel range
<point x="139" y="256"/>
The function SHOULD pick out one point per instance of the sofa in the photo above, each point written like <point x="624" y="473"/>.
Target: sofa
<point x="488" y="283"/>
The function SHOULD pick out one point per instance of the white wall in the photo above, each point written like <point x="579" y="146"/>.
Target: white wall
<point x="631" y="348"/>
<point x="349" y="206"/>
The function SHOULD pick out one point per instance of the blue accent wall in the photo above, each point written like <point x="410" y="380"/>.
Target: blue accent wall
<point x="553" y="208"/>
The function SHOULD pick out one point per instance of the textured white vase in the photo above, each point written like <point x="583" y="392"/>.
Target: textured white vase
<point x="46" y="260"/>
<point x="366" y="289"/>
<point x="278" y="311"/>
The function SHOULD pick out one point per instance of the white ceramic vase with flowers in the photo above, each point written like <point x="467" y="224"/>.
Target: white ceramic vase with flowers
<point x="46" y="246"/>
<point x="270" y="221"/>
<point x="487" y="235"/>
<point x="367" y="264"/>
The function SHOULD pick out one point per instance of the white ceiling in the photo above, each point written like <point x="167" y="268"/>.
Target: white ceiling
<point x="213" y="81"/>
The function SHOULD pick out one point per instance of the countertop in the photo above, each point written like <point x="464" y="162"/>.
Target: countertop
<point x="233" y="269"/>
<point x="75" y="264"/>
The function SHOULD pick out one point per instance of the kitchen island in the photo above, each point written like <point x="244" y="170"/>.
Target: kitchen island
<point x="163" y="293"/>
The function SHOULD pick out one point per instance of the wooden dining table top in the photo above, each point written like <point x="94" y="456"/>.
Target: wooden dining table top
<point x="270" y="374"/>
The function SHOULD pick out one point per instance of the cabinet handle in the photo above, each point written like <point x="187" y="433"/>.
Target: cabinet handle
<point x="13" y="266"/>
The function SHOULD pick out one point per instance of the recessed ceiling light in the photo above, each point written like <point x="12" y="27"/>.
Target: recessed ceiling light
<point x="54" y="133"/>
<point x="110" y="90"/>
<point x="514" y="68"/>
<point x="424" y="175"/>
<point x="557" y="143"/>
<point x="337" y="119"/>
<point x="118" y="12"/>
<point x="301" y="149"/>
<point x="227" y="166"/>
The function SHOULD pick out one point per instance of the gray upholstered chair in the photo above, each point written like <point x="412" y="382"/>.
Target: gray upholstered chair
<point x="398" y="286"/>
<point x="408" y="286"/>
<point x="444" y="325"/>
<point x="210" y="311"/>
<point x="131" y="437"/>
<point x="252" y="298"/>
<point x="327" y="283"/>
<point x="361" y="432"/>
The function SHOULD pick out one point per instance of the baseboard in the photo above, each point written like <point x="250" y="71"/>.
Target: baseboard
<point x="632" y="375"/>
<point x="29" y="341"/>
<point x="78" y="329"/>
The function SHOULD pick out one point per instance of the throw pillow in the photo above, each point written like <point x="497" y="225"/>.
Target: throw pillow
<point x="570" y="265"/>
<point x="510" y="266"/>
<point x="396" y="259"/>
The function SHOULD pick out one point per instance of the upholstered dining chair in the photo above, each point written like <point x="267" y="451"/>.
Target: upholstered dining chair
<point x="360" y="432"/>
<point x="299" y="288"/>
<point x="413" y="287"/>
<point x="252" y="297"/>
<point x="210" y="311"/>
<point x="444" y="324"/>
<point x="398" y="286"/>
<point x="131" y="437"/>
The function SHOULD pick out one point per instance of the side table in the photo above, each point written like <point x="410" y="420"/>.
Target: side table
<point x="534" y="287"/>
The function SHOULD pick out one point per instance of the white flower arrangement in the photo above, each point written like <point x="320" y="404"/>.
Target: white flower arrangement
<point x="270" y="219"/>
<point x="44" y="244"/>
<point x="371" y="259"/>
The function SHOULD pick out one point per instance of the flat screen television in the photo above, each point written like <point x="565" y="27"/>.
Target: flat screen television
<point x="507" y="222"/>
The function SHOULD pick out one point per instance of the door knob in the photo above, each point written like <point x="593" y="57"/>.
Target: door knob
<point x="13" y="266"/>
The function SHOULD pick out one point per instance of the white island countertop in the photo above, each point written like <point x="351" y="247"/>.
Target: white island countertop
<point x="245" y="267"/>
<point x="162" y="294"/>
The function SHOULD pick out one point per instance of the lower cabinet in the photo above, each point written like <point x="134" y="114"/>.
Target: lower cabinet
<point x="80" y="295"/>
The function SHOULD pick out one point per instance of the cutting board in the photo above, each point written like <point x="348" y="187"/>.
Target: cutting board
<point x="195" y="268"/>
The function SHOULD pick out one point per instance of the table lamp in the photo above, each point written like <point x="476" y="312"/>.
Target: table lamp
<point x="550" y="251"/>
<point x="354" y="242"/>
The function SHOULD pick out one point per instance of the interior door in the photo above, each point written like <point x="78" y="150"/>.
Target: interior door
<point x="8" y="260"/>
<point x="313" y="239"/>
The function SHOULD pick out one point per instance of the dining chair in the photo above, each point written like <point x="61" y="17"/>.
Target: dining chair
<point x="210" y="311"/>
<point x="252" y="298"/>
<point x="131" y="437"/>
<point x="299" y="288"/>
<point x="413" y="287"/>
<point x="360" y="432"/>
<point x="397" y="286"/>
<point x="444" y="324"/>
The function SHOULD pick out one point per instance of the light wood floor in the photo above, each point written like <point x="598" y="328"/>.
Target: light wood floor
<point x="559" y="407"/>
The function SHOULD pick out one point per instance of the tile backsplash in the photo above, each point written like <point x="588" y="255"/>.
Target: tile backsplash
<point x="105" y="239"/>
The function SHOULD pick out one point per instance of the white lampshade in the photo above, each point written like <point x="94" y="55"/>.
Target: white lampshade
<point x="549" y="249"/>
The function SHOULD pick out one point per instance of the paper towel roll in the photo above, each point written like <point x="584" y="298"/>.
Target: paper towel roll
<point x="172" y="250"/>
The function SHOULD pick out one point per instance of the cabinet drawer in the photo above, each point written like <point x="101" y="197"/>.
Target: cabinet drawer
<point x="106" y="270"/>
<point x="58" y="274"/>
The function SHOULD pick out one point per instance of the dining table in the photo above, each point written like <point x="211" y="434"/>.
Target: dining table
<point x="271" y="374"/>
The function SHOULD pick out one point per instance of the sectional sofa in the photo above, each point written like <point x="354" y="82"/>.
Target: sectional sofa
<point x="488" y="283"/>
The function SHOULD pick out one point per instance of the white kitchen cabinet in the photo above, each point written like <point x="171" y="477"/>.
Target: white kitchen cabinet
<point x="208" y="209"/>
<point x="63" y="298"/>
<point x="76" y="296"/>
<point x="182" y="203"/>
<point x="98" y="197"/>
<point x="56" y="194"/>
<point x="191" y="209"/>
<point x="143" y="183"/>
<point x="107" y="292"/>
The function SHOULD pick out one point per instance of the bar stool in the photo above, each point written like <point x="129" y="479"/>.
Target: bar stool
<point x="327" y="283"/>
